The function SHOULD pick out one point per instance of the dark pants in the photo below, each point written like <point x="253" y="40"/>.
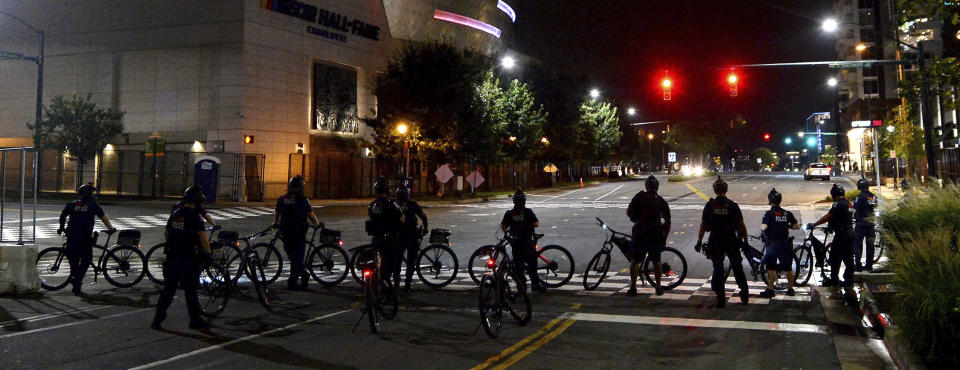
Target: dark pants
<point x="389" y="256"/>
<point x="525" y="260"/>
<point x="183" y="274"/>
<point x="409" y="247"/>
<point x="295" y="244"/>
<point x="80" y="255"/>
<point x="779" y="255"/>
<point x="865" y="230"/>
<point x="842" y="251"/>
<point x="646" y="241"/>
<point x="719" y="251"/>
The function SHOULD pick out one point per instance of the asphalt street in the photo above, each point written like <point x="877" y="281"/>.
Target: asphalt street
<point x="571" y="328"/>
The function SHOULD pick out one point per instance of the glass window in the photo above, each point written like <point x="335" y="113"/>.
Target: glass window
<point x="870" y="72"/>
<point x="334" y="99"/>
<point x="871" y="87"/>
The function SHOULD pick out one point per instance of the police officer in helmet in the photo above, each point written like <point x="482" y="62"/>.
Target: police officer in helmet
<point x="723" y="219"/>
<point x="384" y="225"/>
<point x="82" y="213"/>
<point x="778" y="256"/>
<point x="187" y="248"/>
<point x="290" y="218"/>
<point x="409" y="235"/>
<point x="839" y="220"/>
<point x="864" y="226"/>
<point x="520" y="223"/>
<point x="651" y="224"/>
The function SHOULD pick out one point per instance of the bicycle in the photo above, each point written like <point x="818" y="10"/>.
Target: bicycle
<point x="248" y="263"/>
<point x="812" y="254"/>
<point x="122" y="264"/>
<point x="157" y="256"/>
<point x="670" y="258"/>
<point x="500" y="289"/>
<point x="754" y="258"/>
<point x="378" y="295"/>
<point x="555" y="264"/>
<point x="327" y="263"/>
<point x="436" y="265"/>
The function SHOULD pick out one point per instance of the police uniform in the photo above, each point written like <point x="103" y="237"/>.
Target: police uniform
<point x="841" y="224"/>
<point x="864" y="227"/>
<point x="82" y="213"/>
<point x="182" y="267"/>
<point x="200" y="210"/>
<point x="722" y="218"/>
<point x="651" y="218"/>
<point x="409" y="238"/>
<point x="779" y="252"/>
<point x="519" y="223"/>
<point x="384" y="224"/>
<point x="294" y="210"/>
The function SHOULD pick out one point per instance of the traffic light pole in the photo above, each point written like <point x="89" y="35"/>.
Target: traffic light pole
<point x="925" y="114"/>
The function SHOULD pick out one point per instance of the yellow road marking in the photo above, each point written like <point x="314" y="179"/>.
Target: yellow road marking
<point x="576" y="306"/>
<point x="518" y="345"/>
<point x="698" y="192"/>
<point x="624" y="270"/>
<point x="533" y="347"/>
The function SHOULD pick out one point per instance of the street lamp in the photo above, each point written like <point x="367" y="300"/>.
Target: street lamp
<point x="860" y="47"/>
<point x="830" y="25"/>
<point x="544" y="140"/>
<point x="513" y="138"/>
<point x="832" y="82"/>
<point x="594" y="93"/>
<point x="631" y="111"/>
<point x="508" y="62"/>
<point x="402" y="129"/>
<point x="649" y="145"/>
<point x="890" y="129"/>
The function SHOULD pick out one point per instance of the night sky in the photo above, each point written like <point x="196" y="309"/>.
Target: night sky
<point x="622" y="47"/>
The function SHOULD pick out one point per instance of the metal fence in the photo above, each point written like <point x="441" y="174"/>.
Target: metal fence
<point x="18" y="195"/>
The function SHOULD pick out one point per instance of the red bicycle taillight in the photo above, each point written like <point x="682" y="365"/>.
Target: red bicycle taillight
<point x="366" y="273"/>
<point x="238" y="243"/>
<point x="491" y="263"/>
<point x="341" y="242"/>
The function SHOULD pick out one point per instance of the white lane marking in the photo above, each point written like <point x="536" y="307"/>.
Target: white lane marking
<point x="702" y="323"/>
<point x="611" y="192"/>
<point x="19" y="333"/>
<point x="238" y="340"/>
<point x="561" y="195"/>
<point x="51" y="315"/>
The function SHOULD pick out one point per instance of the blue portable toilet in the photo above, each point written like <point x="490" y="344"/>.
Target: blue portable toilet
<point x="206" y="174"/>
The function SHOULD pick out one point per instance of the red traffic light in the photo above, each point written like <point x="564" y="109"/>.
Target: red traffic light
<point x="248" y="139"/>
<point x="766" y="137"/>
<point x="666" y="84"/>
<point x="732" y="80"/>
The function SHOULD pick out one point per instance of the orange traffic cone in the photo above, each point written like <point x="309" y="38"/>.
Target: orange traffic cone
<point x="581" y="183"/>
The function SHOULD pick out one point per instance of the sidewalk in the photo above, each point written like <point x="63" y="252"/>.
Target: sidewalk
<point x="884" y="192"/>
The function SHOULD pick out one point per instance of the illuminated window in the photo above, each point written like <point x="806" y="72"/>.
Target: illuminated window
<point x="334" y="99"/>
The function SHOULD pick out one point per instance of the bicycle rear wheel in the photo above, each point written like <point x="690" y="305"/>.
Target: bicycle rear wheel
<point x="804" y="263"/>
<point x="54" y="268"/>
<point x="673" y="269"/>
<point x="437" y="266"/>
<point x="270" y="260"/>
<point x="123" y="266"/>
<point x="596" y="270"/>
<point x="156" y="257"/>
<point x="555" y="266"/>
<point x="214" y="292"/>
<point x="491" y="313"/>
<point x="478" y="264"/>
<point x="328" y="265"/>
<point x="514" y="294"/>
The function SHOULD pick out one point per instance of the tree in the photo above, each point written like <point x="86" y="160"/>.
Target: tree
<point x="946" y="10"/>
<point x="696" y="138"/>
<point x="767" y="159"/>
<point x="906" y="138"/>
<point x="829" y="156"/>
<point x="77" y="126"/>
<point x="522" y="118"/>
<point x="599" y="130"/>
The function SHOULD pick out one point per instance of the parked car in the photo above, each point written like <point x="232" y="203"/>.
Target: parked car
<point x="817" y="170"/>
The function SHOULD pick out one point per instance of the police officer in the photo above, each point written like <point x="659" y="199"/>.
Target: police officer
<point x="79" y="232"/>
<point x="384" y="225"/>
<point x="409" y="234"/>
<point x="520" y="223"/>
<point x="864" y="228"/>
<point x="290" y="219"/>
<point x="651" y="224"/>
<point x="776" y="225"/>
<point x="186" y="248"/>
<point x="839" y="220"/>
<point x="723" y="219"/>
<point x="202" y="211"/>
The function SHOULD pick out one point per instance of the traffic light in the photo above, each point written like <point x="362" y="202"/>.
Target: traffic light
<point x="766" y="136"/>
<point x="248" y="139"/>
<point x="732" y="80"/>
<point x="666" y="84"/>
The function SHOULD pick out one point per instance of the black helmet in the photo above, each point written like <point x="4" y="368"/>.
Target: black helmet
<point x="720" y="186"/>
<point x="382" y="186"/>
<point x="403" y="194"/>
<point x="863" y="185"/>
<point x="837" y="191"/>
<point x="86" y="190"/>
<point x="193" y="194"/>
<point x="774" y="197"/>
<point x="519" y="199"/>
<point x="652" y="184"/>
<point x="295" y="184"/>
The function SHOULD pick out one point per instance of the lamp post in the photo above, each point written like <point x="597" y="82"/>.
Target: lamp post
<point x="649" y="156"/>
<point x="896" y="162"/>
<point x="402" y="129"/>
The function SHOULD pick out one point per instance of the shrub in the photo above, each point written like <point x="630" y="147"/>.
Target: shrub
<point x="850" y="195"/>
<point x="924" y="208"/>
<point x="926" y="307"/>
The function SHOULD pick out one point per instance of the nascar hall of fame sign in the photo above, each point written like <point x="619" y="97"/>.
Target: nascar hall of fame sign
<point x="332" y="25"/>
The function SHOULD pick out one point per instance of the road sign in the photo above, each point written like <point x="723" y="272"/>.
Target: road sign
<point x="475" y="178"/>
<point x="893" y="154"/>
<point x="10" y="55"/>
<point x="866" y="123"/>
<point x="160" y="149"/>
<point x="672" y="157"/>
<point x="851" y="65"/>
<point x="444" y="174"/>
<point x="550" y="168"/>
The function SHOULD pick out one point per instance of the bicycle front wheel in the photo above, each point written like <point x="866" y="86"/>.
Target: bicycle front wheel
<point x="804" y="264"/>
<point x="156" y="257"/>
<point x="270" y="260"/>
<point x="124" y="266"/>
<point x="328" y="265"/>
<point x="214" y="292"/>
<point x="673" y="269"/>
<point x="555" y="266"/>
<point x="54" y="268"/>
<point x="596" y="270"/>
<point x="437" y="266"/>
<point x="491" y="313"/>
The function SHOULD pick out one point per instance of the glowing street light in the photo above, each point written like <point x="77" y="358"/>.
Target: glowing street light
<point x="513" y="138"/>
<point x="890" y="129"/>
<point x="830" y="25"/>
<point x="832" y="82"/>
<point x="860" y="47"/>
<point x="631" y="111"/>
<point x="594" y="93"/>
<point x="508" y="62"/>
<point x="788" y="141"/>
<point x="649" y="136"/>
<point x="544" y="140"/>
<point x="402" y="128"/>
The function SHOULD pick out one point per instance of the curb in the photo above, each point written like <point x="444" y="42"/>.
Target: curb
<point x="902" y="355"/>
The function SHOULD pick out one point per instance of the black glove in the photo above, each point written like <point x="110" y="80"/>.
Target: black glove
<point x="111" y="230"/>
<point x="217" y="227"/>
<point x="60" y="230"/>
<point x="698" y="247"/>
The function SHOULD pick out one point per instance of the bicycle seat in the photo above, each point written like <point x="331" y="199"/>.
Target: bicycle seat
<point x="537" y="236"/>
